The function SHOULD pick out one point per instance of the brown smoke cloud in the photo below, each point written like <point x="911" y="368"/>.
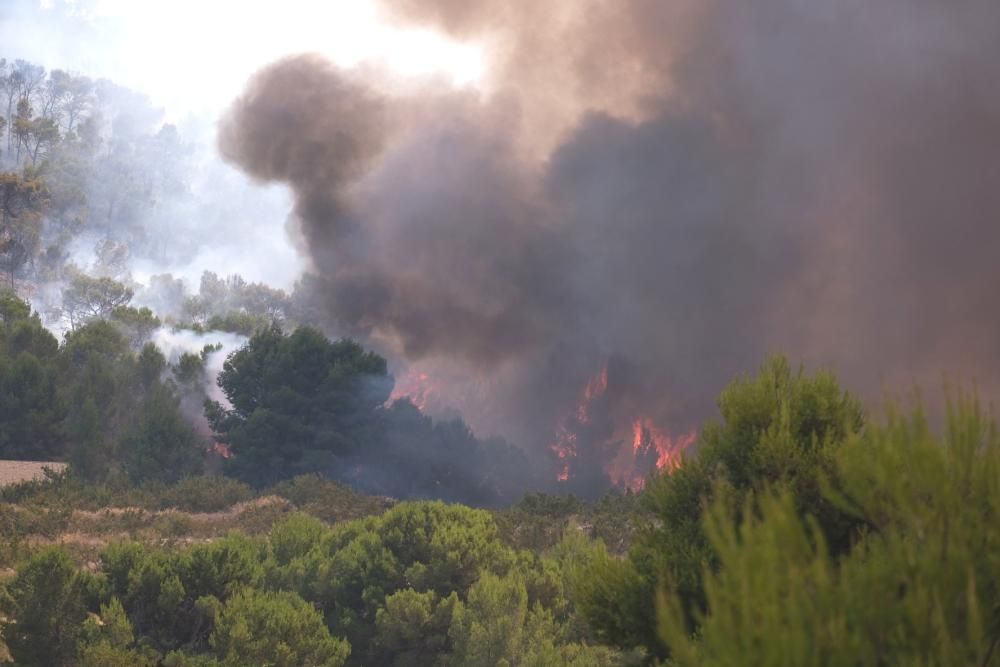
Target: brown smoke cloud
<point x="676" y="188"/>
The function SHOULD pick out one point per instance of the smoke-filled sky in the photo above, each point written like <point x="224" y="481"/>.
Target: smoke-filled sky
<point x="192" y="58"/>
<point x="676" y="188"/>
<point x="671" y="188"/>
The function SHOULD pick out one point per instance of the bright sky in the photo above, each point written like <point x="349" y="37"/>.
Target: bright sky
<point x="195" y="55"/>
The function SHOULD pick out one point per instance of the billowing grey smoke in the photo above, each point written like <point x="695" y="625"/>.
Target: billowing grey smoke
<point x="674" y="188"/>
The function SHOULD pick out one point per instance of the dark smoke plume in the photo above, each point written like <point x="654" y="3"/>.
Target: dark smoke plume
<point x="669" y="188"/>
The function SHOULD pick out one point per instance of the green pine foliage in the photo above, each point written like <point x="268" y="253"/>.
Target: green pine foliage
<point x="299" y="402"/>
<point x="423" y="584"/>
<point x="97" y="401"/>
<point x="45" y="610"/>
<point x="782" y="425"/>
<point x="31" y="407"/>
<point x="920" y="587"/>
<point x="275" y="629"/>
<point x="796" y="533"/>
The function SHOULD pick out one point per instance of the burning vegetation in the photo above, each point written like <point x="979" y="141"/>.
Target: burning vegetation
<point x="650" y="188"/>
<point x="594" y="430"/>
<point x="537" y="284"/>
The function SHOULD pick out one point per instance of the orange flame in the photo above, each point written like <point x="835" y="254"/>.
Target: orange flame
<point x="595" y="389"/>
<point x="417" y="387"/>
<point x="565" y="444"/>
<point x="565" y="449"/>
<point x="668" y="450"/>
<point x="635" y="448"/>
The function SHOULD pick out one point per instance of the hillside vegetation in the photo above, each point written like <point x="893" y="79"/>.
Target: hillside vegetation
<point x="244" y="489"/>
<point x="798" y="533"/>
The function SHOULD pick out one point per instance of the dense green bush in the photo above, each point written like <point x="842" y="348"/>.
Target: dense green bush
<point x="329" y="500"/>
<point x="298" y="403"/>
<point x="417" y="585"/>
<point x="240" y="322"/>
<point x="781" y="426"/>
<point x="204" y="494"/>
<point x="539" y="520"/>
<point x="921" y="587"/>
<point x="32" y="409"/>
<point x="792" y="537"/>
<point x="107" y="640"/>
<point x="172" y="597"/>
<point x="98" y="400"/>
<point x="45" y="607"/>
<point x="67" y="490"/>
<point x="277" y="629"/>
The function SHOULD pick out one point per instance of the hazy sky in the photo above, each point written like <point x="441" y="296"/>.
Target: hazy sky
<point x="195" y="56"/>
<point x="192" y="58"/>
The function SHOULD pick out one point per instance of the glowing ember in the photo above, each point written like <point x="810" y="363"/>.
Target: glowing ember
<point x="415" y="386"/>
<point x="594" y="390"/>
<point x="627" y="452"/>
<point x="565" y="449"/>
<point x="565" y="444"/>
<point x="647" y="437"/>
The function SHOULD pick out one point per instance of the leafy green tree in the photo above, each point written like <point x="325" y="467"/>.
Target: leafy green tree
<point x="97" y="369"/>
<point x="420" y="457"/>
<point x="240" y="322"/>
<point x="13" y="308"/>
<point x="233" y="304"/>
<point x="74" y="96"/>
<point x="412" y="628"/>
<point x="299" y="402"/>
<point x="295" y="536"/>
<point x="23" y="200"/>
<point x="546" y="645"/>
<point x="108" y="640"/>
<point x="781" y="426"/>
<point x="424" y="546"/>
<point x="174" y="598"/>
<point x="162" y="444"/>
<point x="538" y="520"/>
<point x="278" y="629"/>
<point x="31" y="411"/>
<point x="488" y="629"/>
<point x="23" y="125"/>
<point x="42" y="135"/>
<point x="920" y="588"/>
<point x="47" y="610"/>
<point x="181" y="659"/>
<point x="123" y="419"/>
<point x="104" y="654"/>
<point x="88" y="298"/>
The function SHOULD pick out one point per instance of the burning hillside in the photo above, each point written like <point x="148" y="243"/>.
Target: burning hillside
<point x="652" y="186"/>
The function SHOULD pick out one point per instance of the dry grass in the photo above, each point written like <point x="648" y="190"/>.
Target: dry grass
<point x="15" y="472"/>
<point x="84" y="533"/>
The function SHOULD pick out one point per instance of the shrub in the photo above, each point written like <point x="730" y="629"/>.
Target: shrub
<point x="279" y="629"/>
<point x="920" y="588"/>
<point x="205" y="494"/>
<point x="328" y="500"/>
<point x="47" y="602"/>
<point x="780" y="426"/>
